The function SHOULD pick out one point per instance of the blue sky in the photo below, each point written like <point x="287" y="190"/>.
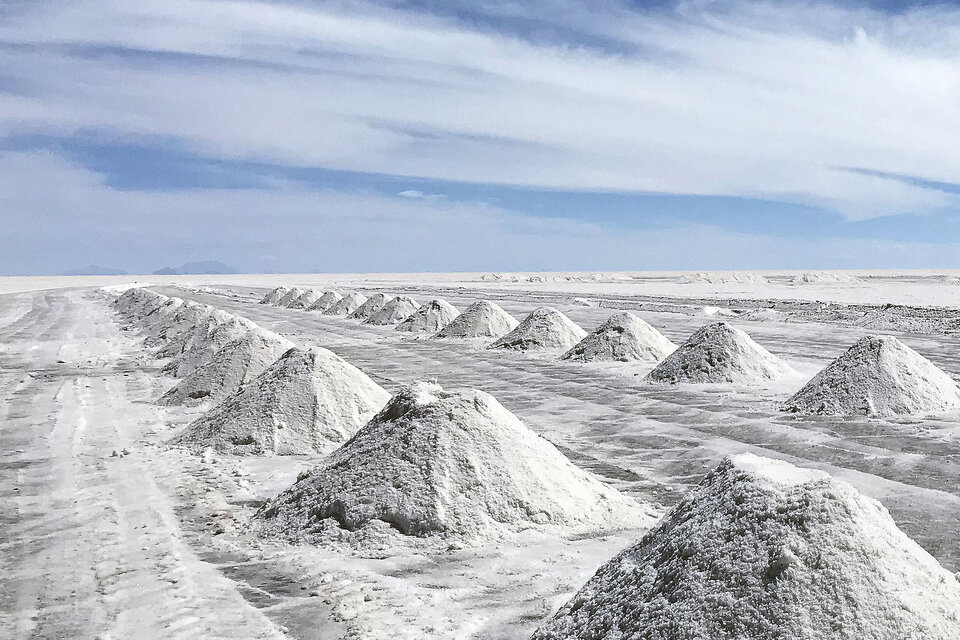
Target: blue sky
<point x="443" y="136"/>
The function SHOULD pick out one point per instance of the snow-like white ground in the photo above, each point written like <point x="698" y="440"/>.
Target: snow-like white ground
<point x="152" y="542"/>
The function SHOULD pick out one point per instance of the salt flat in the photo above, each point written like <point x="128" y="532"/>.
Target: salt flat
<point x="153" y="542"/>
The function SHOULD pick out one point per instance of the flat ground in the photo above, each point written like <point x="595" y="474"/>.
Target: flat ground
<point x="105" y="532"/>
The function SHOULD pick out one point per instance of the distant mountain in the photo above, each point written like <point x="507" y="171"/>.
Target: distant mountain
<point x="194" y="268"/>
<point x="94" y="270"/>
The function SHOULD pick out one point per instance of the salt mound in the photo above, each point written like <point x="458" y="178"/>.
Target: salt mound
<point x="623" y="337"/>
<point x="327" y="300"/>
<point x="544" y="328"/>
<point x="482" y="319"/>
<point x="436" y="462"/>
<point x="370" y="306"/>
<point x="349" y="303"/>
<point x="432" y="317"/>
<point x="274" y="296"/>
<point x="176" y="320"/>
<point x="394" y="311"/>
<point x="823" y="277"/>
<point x="720" y="353"/>
<point x="203" y="344"/>
<point x="290" y="296"/>
<point x="877" y="376"/>
<point x="724" y="277"/>
<point x="308" y="401"/>
<point x="306" y="300"/>
<point x="763" y="550"/>
<point x="233" y="366"/>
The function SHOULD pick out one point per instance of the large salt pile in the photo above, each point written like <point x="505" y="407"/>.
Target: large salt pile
<point x="306" y="300"/>
<point x="290" y="296"/>
<point x="544" y="328"/>
<point x="327" y="300"/>
<point x="234" y="366"/>
<point x="274" y="296"/>
<point x="720" y="353"/>
<point x="437" y="462"/>
<point x="308" y="401"/>
<point x="877" y="376"/>
<point x="349" y="303"/>
<point x="394" y="311"/>
<point x="201" y="344"/>
<point x="763" y="550"/>
<point x="176" y="320"/>
<point x="370" y="306"/>
<point x="482" y="319"/>
<point x="432" y="317"/>
<point x="622" y="338"/>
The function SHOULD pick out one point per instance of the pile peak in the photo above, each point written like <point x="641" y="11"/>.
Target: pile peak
<point x="761" y="549"/>
<point x="448" y="463"/>
<point x="235" y="365"/>
<point x="394" y="311"/>
<point x="308" y="401"/>
<point x="720" y="353"/>
<point x="481" y="319"/>
<point x="623" y="337"/>
<point x="327" y="300"/>
<point x="346" y="305"/>
<point x="544" y="328"/>
<point x="274" y="296"/>
<point x="877" y="376"/>
<point x="433" y="316"/>
<point x="370" y="306"/>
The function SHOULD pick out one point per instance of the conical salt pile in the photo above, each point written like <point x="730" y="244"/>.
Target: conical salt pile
<point x="222" y="329"/>
<point x="235" y="365"/>
<point x="370" y="306"/>
<point x="290" y="296"/>
<point x="274" y="296"/>
<point x="482" y="319"/>
<point x="720" y="353"/>
<point x="327" y="300"/>
<point x="306" y="300"/>
<point x="349" y="303"/>
<point x="394" y="311"/>
<point x="622" y="338"/>
<point x="308" y="401"/>
<point x="436" y="462"/>
<point x="432" y="317"/>
<point x="544" y="328"/>
<point x="763" y="550"/>
<point x="877" y="376"/>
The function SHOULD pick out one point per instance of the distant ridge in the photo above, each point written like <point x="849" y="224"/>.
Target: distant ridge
<point x="197" y="268"/>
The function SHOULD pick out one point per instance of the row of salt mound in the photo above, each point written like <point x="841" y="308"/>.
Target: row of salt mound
<point x="433" y="316"/>
<point x="761" y="549"/>
<point x="496" y="473"/>
<point x="308" y="401"/>
<point x="393" y="311"/>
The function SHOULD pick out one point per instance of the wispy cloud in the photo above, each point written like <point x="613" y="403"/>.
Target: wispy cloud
<point x="763" y="100"/>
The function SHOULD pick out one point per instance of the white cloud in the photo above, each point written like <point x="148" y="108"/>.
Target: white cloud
<point x="746" y="99"/>
<point x="83" y="220"/>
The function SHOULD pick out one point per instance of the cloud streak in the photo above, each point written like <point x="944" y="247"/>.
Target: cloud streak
<point x="741" y="99"/>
